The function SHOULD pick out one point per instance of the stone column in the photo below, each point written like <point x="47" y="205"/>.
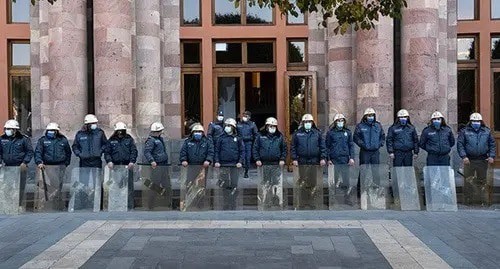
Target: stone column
<point x="341" y="89"/>
<point x="317" y="62"/>
<point x="148" y="65"/>
<point x="375" y="71"/>
<point x="35" y="69"/>
<point x="452" y="62"/>
<point x="113" y="61"/>
<point x="421" y="89"/>
<point x="171" y="64"/>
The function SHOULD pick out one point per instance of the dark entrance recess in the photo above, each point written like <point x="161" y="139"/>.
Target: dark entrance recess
<point x="260" y="95"/>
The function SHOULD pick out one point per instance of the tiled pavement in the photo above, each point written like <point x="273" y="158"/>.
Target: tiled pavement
<point x="251" y="239"/>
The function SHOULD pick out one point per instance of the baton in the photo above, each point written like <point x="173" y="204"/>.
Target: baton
<point x="44" y="185"/>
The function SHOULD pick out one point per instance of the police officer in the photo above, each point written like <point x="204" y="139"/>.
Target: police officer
<point x="53" y="148"/>
<point x="339" y="142"/>
<point x="16" y="148"/>
<point x="248" y="131"/>
<point x="402" y="140"/>
<point x="370" y="137"/>
<point x="308" y="150"/>
<point x="121" y="149"/>
<point x="216" y="128"/>
<point x="90" y="143"/>
<point x="437" y="139"/>
<point x="154" y="150"/>
<point x="476" y="146"/>
<point x="229" y="151"/>
<point x="270" y="147"/>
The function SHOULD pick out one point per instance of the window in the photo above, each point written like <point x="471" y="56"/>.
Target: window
<point x="466" y="87"/>
<point x="296" y="52"/>
<point x="291" y="19"/>
<point x="191" y="12"/>
<point x="20" y="84"/>
<point x="228" y="53"/>
<point x="467" y="9"/>
<point x="191" y="52"/>
<point x="495" y="9"/>
<point x="252" y="52"/>
<point x="20" y="54"/>
<point x="466" y="48"/>
<point x="260" y="53"/>
<point x="225" y="12"/>
<point x="496" y="101"/>
<point x="19" y="11"/>
<point x="192" y="96"/>
<point x="495" y="47"/>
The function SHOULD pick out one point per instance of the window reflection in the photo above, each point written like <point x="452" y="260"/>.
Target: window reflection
<point x="466" y="48"/>
<point x="258" y="53"/>
<point x="496" y="103"/>
<point x="257" y="15"/>
<point x="296" y="51"/>
<point x="21" y="102"/>
<point x="291" y="19"/>
<point x="495" y="48"/>
<point x="20" y="54"/>
<point x="466" y="95"/>
<point x="191" y="12"/>
<point x="20" y="11"/>
<point x="191" y="53"/>
<point x="228" y="53"/>
<point x="495" y="9"/>
<point x="466" y="10"/>
<point x="226" y="12"/>
<point x="192" y="100"/>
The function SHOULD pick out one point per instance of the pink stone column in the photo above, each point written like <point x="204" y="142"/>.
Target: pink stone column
<point x="35" y="69"/>
<point x="113" y="62"/>
<point x="423" y="85"/>
<point x="148" y="65"/>
<point x="375" y="71"/>
<point x="452" y="61"/>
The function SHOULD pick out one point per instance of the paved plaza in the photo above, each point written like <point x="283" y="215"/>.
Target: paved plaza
<point x="252" y="239"/>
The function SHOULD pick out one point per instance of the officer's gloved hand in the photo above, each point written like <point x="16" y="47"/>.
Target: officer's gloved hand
<point x="41" y="166"/>
<point x="490" y="160"/>
<point x="110" y="165"/>
<point x="23" y="166"/>
<point x="295" y="163"/>
<point x="130" y="166"/>
<point x="238" y="165"/>
<point x="322" y="163"/>
<point x="351" y="162"/>
<point x="217" y="165"/>
<point x="258" y="163"/>
<point x="330" y="163"/>
<point x="184" y="163"/>
<point x="154" y="165"/>
<point x="206" y="164"/>
<point x="466" y="161"/>
<point x="415" y="156"/>
<point x="391" y="155"/>
<point x="282" y="163"/>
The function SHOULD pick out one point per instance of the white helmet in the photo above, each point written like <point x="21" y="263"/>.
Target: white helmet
<point x="338" y="116"/>
<point x="369" y="111"/>
<point x="307" y="117"/>
<point x="52" y="126"/>
<point x="120" y="126"/>
<point x="230" y="121"/>
<point x="476" y="117"/>
<point x="271" y="121"/>
<point x="157" y="126"/>
<point x="11" y="124"/>
<point x="197" y="128"/>
<point x="403" y="113"/>
<point x="90" y="118"/>
<point x="437" y="115"/>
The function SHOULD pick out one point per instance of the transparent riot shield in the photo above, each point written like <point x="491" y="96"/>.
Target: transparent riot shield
<point x="226" y="193"/>
<point x="11" y="190"/>
<point x="115" y="188"/>
<point x="404" y="188"/>
<point x="478" y="184"/>
<point x="85" y="189"/>
<point x="193" y="188"/>
<point x="308" y="187"/>
<point x="343" y="187"/>
<point x="48" y="195"/>
<point x="156" y="188"/>
<point x="374" y="186"/>
<point x="270" y="187"/>
<point x="440" y="192"/>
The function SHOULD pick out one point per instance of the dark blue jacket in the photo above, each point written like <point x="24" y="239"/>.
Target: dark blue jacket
<point x="247" y="130"/>
<point x="54" y="151"/>
<point x="197" y="152"/>
<point x="121" y="150"/>
<point x="269" y="148"/>
<point x="15" y="150"/>
<point x="89" y="144"/>
<point x="308" y="147"/>
<point x="437" y="142"/>
<point x="229" y="149"/>
<point x="476" y="145"/>
<point x="215" y="130"/>
<point x="402" y="138"/>
<point x="155" y="151"/>
<point x="339" y="145"/>
<point x="369" y="136"/>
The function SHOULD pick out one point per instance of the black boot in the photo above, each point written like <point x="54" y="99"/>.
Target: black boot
<point x="246" y="173"/>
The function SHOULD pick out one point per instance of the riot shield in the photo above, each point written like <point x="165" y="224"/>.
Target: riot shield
<point x="343" y="187"/>
<point x="48" y="195"/>
<point x="478" y="184"/>
<point x="226" y="193"/>
<point x="440" y="192"/>
<point x="156" y="188"/>
<point x="308" y="187"/>
<point x="270" y="187"/>
<point x="85" y="189"/>
<point x="115" y="188"/>
<point x="10" y="190"/>
<point x="405" y="189"/>
<point x="193" y="188"/>
<point x="374" y="186"/>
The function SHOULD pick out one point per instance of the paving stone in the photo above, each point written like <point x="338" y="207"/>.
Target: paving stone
<point x="136" y="243"/>
<point x="121" y="263"/>
<point x="302" y="249"/>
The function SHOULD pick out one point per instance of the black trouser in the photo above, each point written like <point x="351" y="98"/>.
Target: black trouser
<point x="84" y="189"/>
<point x="22" y="180"/>
<point x="438" y="160"/>
<point x="53" y="180"/>
<point x="269" y="183"/>
<point x="306" y="185"/>
<point x="95" y="162"/>
<point x="194" y="187"/>
<point x="476" y="185"/>
<point x="369" y="157"/>
<point x="403" y="158"/>
<point x="228" y="181"/>
<point x="161" y="180"/>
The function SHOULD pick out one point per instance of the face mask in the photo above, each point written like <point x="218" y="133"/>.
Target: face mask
<point x="51" y="134"/>
<point x="93" y="126"/>
<point x="197" y="136"/>
<point x="272" y="130"/>
<point x="9" y="132"/>
<point x="476" y="125"/>
<point x="308" y="125"/>
<point x="403" y="121"/>
<point x="228" y="129"/>
<point x="120" y="133"/>
<point x="436" y="124"/>
<point x="245" y="119"/>
<point x="370" y="119"/>
<point x="220" y="118"/>
<point x="340" y="124"/>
